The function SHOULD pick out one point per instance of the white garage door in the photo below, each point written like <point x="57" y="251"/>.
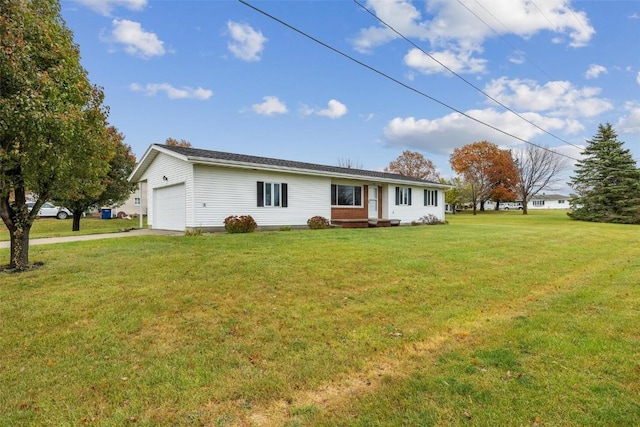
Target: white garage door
<point x="169" y="208"/>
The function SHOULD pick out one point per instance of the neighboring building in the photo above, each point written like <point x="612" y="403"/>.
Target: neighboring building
<point x="187" y="188"/>
<point x="135" y="204"/>
<point x="540" y="201"/>
<point x="549" y="201"/>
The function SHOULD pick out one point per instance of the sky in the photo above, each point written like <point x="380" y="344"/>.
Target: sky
<point x="359" y="82"/>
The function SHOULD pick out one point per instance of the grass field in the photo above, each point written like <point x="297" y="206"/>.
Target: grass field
<point x="494" y="320"/>
<point x="51" y="227"/>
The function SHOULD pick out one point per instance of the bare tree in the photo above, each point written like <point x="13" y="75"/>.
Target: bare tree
<point x="349" y="163"/>
<point x="537" y="167"/>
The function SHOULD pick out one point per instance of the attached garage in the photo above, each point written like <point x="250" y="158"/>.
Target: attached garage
<point x="169" y="208"/>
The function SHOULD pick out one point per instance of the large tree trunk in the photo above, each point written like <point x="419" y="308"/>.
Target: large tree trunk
<point x="18" y="221"/>
<point x="76" y="220"/>
<point x="20" y="247"/>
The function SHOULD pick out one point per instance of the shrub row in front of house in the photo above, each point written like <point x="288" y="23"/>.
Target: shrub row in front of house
<point x="246" y="223"/>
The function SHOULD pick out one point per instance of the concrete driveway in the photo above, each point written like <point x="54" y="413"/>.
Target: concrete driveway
<point x="139" y="232"/>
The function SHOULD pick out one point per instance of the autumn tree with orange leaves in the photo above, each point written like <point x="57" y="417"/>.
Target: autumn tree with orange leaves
<point x="414" y="164"/>
<point x="177" y="143"/>
<point x="488" y="170"/>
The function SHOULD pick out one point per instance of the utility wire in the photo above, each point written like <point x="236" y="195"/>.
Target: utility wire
<point x="506" y="107"/>
<point x="544" y="15"/>
<point x="506" y="41"/>
<point x="393" y="79"/>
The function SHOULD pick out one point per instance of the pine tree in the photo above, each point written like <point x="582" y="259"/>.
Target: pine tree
<point x="607" y="181"/>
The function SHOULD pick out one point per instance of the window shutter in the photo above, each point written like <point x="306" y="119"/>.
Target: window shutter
<point x="284" y="195"/>
<point x="260" y="194"/>
<point x="397" y="196"/>
<point x="426" y="197"/>
<point x="409" y="196"/>
<point x="334" y="197"/>
<point x="435" y="197"/>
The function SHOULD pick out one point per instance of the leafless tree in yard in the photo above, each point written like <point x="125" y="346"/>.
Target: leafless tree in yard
<point x="349" y="163"/>
<point x="537" y="167"/>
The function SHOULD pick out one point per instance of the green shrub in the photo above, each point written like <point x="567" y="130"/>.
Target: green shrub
<point x="318" y="222"/>
<point x="240" y="224"/>
<point x="285" y="228"/>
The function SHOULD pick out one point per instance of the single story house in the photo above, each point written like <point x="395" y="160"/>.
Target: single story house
<point x="539" y="201"/>
<point x="189" y="188"/>
<point x="549" y="201"/>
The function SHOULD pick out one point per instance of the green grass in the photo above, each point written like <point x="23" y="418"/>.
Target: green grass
<point x="51" y="227"/>
<point x="495" y="319"/>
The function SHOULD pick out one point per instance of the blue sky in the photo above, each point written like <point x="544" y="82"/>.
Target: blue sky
<point x="226" y="77"/>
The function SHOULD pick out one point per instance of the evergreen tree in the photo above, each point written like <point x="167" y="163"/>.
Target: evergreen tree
<point x="607" y="181"/>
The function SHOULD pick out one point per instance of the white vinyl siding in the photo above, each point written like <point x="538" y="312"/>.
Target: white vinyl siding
<point x="226" y="191"/>
<point x="407" y="213"/>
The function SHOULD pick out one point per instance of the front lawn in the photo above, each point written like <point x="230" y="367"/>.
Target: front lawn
<point x="492" y="320"/>
<point x="51" y="227"/>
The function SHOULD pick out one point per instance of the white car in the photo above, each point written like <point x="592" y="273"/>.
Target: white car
<point x="50" y="210"/>
<point x="510" y="205"/>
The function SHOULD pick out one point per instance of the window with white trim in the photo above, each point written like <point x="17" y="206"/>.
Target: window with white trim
<point x="272" y="194"/>
<point x="537" y="202"/>
<point x="346" y="195"/>
<point x="136" y="201"/>
<point x="403" y="196"/>
<point x="431" y="197"/>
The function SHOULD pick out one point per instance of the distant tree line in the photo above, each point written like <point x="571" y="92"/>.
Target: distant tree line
<point x="606" y="181"/>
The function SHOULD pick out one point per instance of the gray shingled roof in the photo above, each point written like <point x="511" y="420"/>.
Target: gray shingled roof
<point x="243" y="158"/>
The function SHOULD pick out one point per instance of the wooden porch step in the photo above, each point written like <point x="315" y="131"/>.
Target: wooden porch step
<point x="365" y="222"/>
<point x="351" y="223"/>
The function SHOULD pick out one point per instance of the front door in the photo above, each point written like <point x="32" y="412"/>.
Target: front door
<point x="373" y="201"/>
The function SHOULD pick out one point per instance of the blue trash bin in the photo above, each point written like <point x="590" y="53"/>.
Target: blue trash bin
<point x="106" y="213"/>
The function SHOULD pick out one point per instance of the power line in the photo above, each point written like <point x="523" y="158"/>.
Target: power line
<point x="545" y="16"/>
<point x="393" y="79"/>
<point x="461" y="77"/>
<point x="504" y="39"/>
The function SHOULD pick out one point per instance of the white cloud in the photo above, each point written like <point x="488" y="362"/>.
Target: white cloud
<point x="334" y="110"/>
<point x="459" y="62"/>
<point x="184" y="92"/>
<point x="454" y="21"/>
<point x="442" y="135"/>
<point x="400" y="14"/>
<point x="638" y="77"/>
<point x="630" y="123"/>
<point x="135" y="39"/>
<point x="453" y="30"/>
<point x="105" y="7"/>
<point x="556" y="98"/>
<point x="271" y="105"/>
<point x="594" y="71"/>
<point x="246" y="43"/>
